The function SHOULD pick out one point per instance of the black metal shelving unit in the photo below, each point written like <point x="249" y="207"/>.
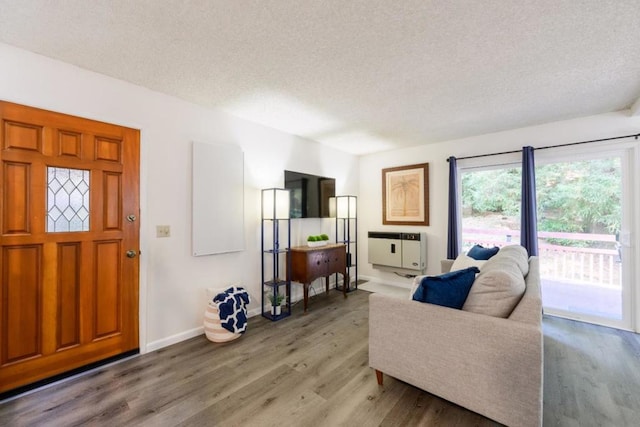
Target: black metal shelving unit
<point x="275" y="224"/>
<point x="347" y="234"/>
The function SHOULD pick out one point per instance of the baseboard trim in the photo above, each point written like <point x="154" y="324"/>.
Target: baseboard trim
<point x="174" y="339"/>
<point x="183" y="336"/>
<point x="255" y="312"/>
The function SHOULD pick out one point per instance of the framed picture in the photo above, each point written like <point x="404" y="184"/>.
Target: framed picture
<point x="405" y="195"/>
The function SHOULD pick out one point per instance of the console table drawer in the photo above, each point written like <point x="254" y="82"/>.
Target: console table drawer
<point x="323" y="263"/>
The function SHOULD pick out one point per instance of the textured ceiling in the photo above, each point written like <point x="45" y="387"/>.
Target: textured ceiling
<point x="360" y="75"/>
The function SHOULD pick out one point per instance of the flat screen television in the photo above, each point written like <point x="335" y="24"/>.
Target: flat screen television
<point x="309" y="194"/>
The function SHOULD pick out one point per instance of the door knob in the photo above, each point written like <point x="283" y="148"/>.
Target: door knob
<point x="131" y="218"/>
<point x="131" y="254"/>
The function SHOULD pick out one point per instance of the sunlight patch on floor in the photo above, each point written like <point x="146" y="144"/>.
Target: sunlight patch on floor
<point x="393" y="291"/>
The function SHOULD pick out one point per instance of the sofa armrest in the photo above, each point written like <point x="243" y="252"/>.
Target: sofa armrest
<point x="529" y="309"/>
<point x="489" y="365"/>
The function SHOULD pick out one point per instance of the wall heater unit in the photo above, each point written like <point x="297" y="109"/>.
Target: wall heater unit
<point x="406" y="251"/>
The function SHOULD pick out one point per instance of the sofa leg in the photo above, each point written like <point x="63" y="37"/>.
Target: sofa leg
<point x="379" y="377"/>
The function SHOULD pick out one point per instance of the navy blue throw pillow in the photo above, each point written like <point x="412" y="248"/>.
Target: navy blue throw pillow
<point x="481" y="253"/>
<point x="449" y="289"/>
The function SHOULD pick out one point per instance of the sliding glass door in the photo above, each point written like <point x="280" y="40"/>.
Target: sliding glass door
<point x="583" y="234"/>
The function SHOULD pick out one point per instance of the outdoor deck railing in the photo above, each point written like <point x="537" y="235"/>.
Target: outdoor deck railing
<point x="597" y="266"/>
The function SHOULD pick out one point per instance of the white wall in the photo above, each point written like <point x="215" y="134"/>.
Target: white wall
<point x="370" y="200"/>
<point x="172" y="282"/>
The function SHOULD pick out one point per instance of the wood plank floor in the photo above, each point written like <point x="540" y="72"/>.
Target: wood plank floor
<point x="312" y="370"/>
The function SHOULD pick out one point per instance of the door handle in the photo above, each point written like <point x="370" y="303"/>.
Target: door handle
<point x="131" y="254"/>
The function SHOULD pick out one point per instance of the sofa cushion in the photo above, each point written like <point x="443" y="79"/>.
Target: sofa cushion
<point x="500" y="285"/>
<point x="516" y="254"/>
<point x="449" y="289"/>
<point x="481" y="253"/>
<point x="463" y="261"/>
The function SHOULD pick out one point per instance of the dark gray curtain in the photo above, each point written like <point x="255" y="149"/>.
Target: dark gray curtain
<point x="528" y="207"/>
<point x="453" y="234"/>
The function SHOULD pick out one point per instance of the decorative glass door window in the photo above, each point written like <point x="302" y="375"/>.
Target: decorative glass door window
<point x="67" y="200"/>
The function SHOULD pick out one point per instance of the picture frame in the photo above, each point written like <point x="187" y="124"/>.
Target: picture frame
<point x="405" y="195"/>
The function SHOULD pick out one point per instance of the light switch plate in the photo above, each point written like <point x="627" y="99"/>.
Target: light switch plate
<point x="163" y="231"/>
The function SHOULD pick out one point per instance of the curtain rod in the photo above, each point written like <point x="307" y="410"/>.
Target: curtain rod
<point x="550" y="146"/>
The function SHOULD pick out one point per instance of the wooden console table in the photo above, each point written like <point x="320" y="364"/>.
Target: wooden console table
<point x="309" y="264"/>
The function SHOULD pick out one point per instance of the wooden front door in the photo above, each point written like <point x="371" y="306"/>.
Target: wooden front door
<point x="69" y="195"/>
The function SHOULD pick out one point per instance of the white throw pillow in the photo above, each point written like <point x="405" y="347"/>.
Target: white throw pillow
<point x="463" y="261"/>
<point x="460" y="263"/>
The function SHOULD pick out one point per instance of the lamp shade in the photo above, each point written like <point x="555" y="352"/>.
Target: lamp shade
<point x="275" y="203"/>
<point x="343" y="206"/>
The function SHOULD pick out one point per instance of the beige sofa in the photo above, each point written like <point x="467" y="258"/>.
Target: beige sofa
<point x="490" y="365"/>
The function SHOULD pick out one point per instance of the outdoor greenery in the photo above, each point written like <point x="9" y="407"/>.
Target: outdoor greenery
<point x="577" y="196"/>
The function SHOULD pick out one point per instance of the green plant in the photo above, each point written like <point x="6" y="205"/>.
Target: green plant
<point x="318" y="238"/>
<point x="276" y="299"/>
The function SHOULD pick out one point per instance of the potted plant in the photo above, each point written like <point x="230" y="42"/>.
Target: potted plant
<point x="318" y="240"/>
<point x="276" y="303"/>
